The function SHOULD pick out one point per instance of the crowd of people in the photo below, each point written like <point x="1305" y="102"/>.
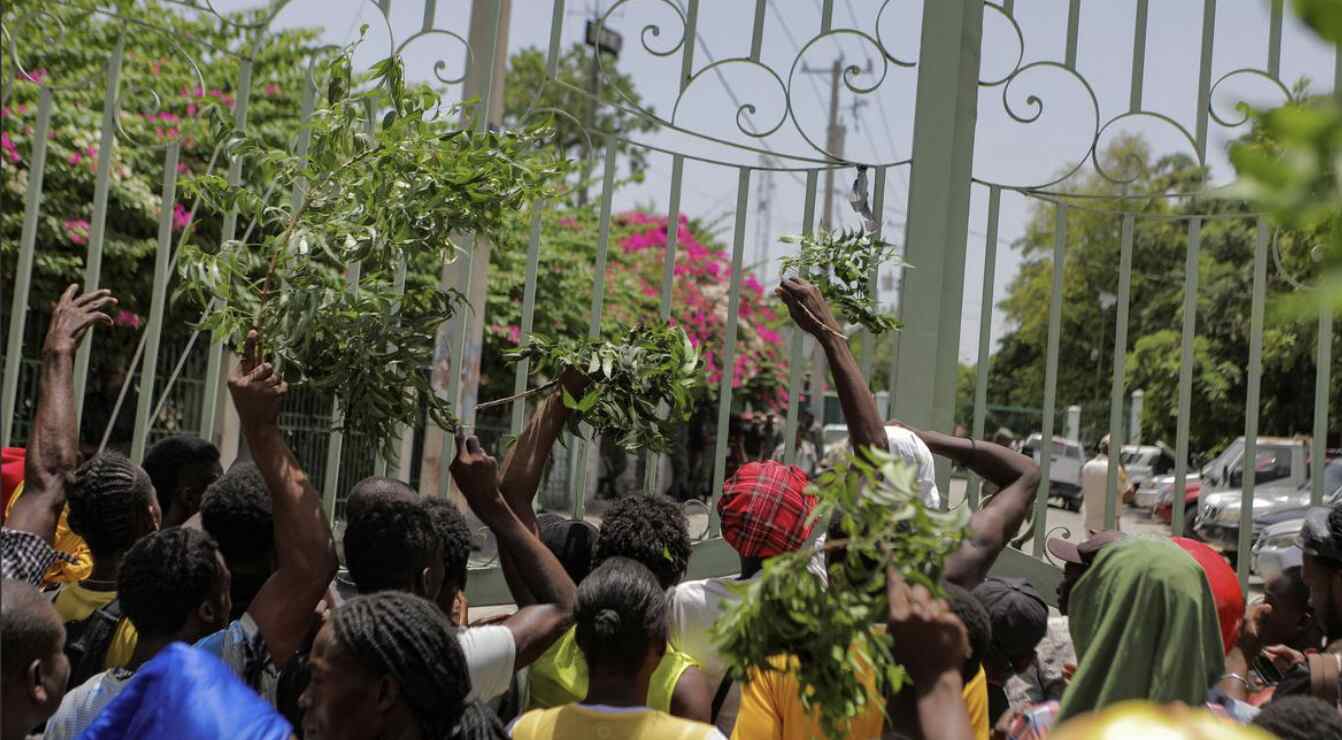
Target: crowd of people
<point x="174" y="599"/>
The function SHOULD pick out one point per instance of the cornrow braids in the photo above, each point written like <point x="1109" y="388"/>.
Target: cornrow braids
<point x="450" y="526"/>
<point x="408" y="638"/>
<point x="103" y="495"/>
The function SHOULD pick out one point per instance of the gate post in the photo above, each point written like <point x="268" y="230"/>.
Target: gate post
<point x="1074" y="423"/>
<point x="945" y="113"/>
<point x="1135" y="421"/>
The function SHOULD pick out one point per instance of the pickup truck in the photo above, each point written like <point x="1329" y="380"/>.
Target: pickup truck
<point x="1282" y="467"/>
<point x="1064" y="470"/>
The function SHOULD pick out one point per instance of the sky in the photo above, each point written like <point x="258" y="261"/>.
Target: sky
<point x="879" y="125"/>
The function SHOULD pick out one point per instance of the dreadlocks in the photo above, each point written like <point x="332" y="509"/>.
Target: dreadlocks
<point x="105" y="495"/>
<point x="408" y="638"/>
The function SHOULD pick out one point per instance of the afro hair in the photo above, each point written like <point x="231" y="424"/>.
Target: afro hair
<point x="1300" y="718"/>
<point x="388" y="543"/>
<point x="165" y="576"/>
<point x="977" y="623"/>
<point x="236" y="511"/>
<point x="650" y="529"/>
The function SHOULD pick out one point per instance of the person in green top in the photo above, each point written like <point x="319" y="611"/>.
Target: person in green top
<point x="1144" y="624"/>
<point x="651" y="530"/>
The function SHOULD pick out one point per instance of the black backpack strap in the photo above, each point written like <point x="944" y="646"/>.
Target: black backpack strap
<point x="88" y="640"/>
<point x="721" y="696"/>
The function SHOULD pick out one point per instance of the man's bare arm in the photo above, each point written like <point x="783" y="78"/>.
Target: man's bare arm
<point x="53" y="446"/>
<point x="990" y="528"/>
<point x="810" y="312"/>
<point x="305" y="556"/>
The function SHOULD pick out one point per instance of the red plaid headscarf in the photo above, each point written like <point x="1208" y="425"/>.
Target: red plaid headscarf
<point x="764" y="506"/>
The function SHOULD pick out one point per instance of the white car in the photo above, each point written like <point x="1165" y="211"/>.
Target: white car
<point x="1064" y="470"/>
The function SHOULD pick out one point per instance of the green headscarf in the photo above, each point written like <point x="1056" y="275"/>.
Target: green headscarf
<point x="1143" y="621"/>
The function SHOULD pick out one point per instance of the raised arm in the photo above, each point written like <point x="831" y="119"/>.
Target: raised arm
<point x="305" y="557"/>
<point x="534" y="628"/>
<point x="522" y="470"/>
<point x="810" y="312"/>
<point x="53" y="446"/>
<point x="990" y="528"/>
<point x="932" y="645"/>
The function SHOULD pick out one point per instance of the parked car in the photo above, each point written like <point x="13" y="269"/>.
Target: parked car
<point x="1144" y="464"/>
<point x="1164" y="508"/>
<point x="1064" y="471"/>
<point x="1276" y="548"/>
<point x="1218" y="519"/>
<point x="1278" y="459"/>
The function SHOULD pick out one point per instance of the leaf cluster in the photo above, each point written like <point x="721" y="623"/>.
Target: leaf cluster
<point x="830" y="629"/>
<point x="374" y="195"/>
<point x="841" y="264"/>
<point x="629" y="379"/>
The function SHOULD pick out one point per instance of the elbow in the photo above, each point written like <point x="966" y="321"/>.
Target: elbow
<point x="1030" y="478"/>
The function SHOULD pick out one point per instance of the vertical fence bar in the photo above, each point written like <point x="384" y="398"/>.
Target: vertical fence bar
<point x="591" y="445"/>
<point x="1190" y="309"/>
<point x="664" y="310"/>
<point x="870" y="340"/>
<point x="1138" y="56"/>
<point x="1190" y="319"/>
<point x="1252" y="403"/>
<point x="154" y="327"/>
<point x="1324" y="352"/>
<point x="1274" y="40"/>
<point x="797" y="355"/>
<point x="985" y="333"/>
<point x="1073" y="26"/>
<point x="729" y="350"/>
<point x="392" y="456"/>
<point x="1050" y="378"/>
<point x="557" y="34"/>
<point x="523" y="370"/>
<point x="1116" y="437"/>
<point x="209" y="402"/>
<point x="98" y="229"/>
<point x="757" y="33"/>
<point x="18" y="314"/>
<point x="335" y="441"/>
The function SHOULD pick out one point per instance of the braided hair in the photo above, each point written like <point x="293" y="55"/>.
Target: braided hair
<point x="104" y="495"/>
<point x="409" y="639"/>
<point x="455" y="536"/>
<point x="621" y="611"/>
<point x="166" y="576"/>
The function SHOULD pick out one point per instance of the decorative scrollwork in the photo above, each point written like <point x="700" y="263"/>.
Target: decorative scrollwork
<point x="440" y="64"/>
<point x="1243" y="116"/>
<point x="1020" y="45"/>
<point x="1066" y="534"/>
<point x="1131" y="158"/>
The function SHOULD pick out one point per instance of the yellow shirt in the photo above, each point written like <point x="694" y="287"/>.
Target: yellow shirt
<point x="74" y="603"/>
<point x="578" y="722"/>
<point x="771" y="707"/>
<point x="65" y="541"/>
<point x="559" y="676"/>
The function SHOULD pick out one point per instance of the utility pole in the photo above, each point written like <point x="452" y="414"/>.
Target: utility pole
<point x="834" y="136"/>
<point x="603" y="41"/>
<point x="456" y="354"/>
<point x="764" y="195"/>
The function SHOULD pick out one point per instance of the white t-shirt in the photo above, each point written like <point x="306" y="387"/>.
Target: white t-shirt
<point x="695" y="607"/>
<point x="1094" y="487"/>
<point x="491" y="655"/>
<point x="909" y="447"/>
<point x="84" y="703"/>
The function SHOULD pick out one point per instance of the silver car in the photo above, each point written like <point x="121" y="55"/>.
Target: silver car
<point x="1278" y="516"/>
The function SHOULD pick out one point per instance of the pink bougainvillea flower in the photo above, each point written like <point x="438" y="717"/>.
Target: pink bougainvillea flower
<point x="128" y="319"/>
<point x="75" y="158"/>
<point x="11" y="152"/>
<point x="191" y="109"/>
<point x="568" y="222"/>
<point x="181" y="217"/>
<point x="182" y="169"/>
<point x="35" y="76"/>
<point x="769" y="335"/>
<point x="156" y="68"/>
<point x="77" y="231"/>
<point x="272" y="89"/>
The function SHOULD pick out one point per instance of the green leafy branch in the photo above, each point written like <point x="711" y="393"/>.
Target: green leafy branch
<point x="789" y="611"/>
<point x="840" y="264"/>
<point x="388" y="176"/>
<point x="654" y="365"/>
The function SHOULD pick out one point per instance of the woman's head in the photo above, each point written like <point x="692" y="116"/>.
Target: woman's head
<point x="1144" y="624"/>
<point x="385" y="663"/>
<point x="621" y="620"/>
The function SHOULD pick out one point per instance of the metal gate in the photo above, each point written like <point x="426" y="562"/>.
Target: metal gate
<point x="941" y="186"/>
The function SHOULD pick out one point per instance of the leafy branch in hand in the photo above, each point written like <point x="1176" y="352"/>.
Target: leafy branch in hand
<point x="788" y="610"/>
<point x="840" y="264"/>
<point x="629" y="379"/>
<point x="323" y="278"/>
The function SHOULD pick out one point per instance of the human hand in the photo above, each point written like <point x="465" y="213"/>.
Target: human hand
<point x="72" y="315"/>
<point x="1253" y="628"/>
<point x="929" y="640"/>
<point x="808" y="308"/>
<point x="256" y="388"/>
<point x="477" y="475"/>
<point x="1283" y="658"/>
<point x="574" y="381"/>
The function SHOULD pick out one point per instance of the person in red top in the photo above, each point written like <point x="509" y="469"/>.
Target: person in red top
<point x="11" y="473"/>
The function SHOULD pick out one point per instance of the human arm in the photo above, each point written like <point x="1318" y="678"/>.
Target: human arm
<point x="1248" y="644"/>
<point x="991" y="527"/>
<point x="523" y="467"/>
<point x="53" y="445"/>
<point x="305" y="557"/>
<point x="932" y="645"/>
<point x="693" y="696"/>
<point x="534" y="628"/>
<point x="810" y="312"/>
